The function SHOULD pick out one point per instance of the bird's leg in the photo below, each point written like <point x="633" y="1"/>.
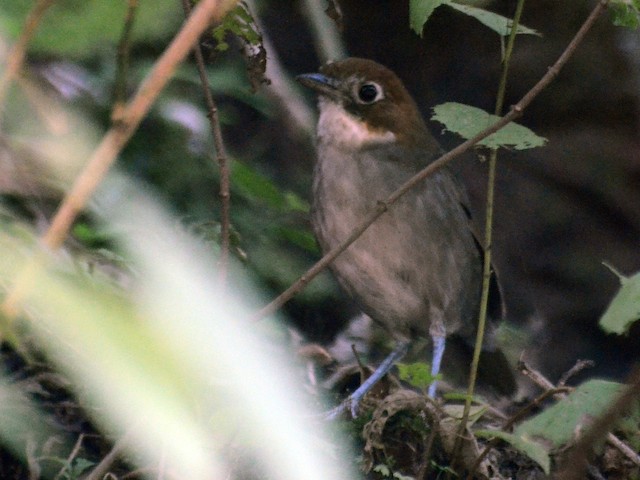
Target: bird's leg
<point x="438" y="334"/>
<point x="354" y="399"/>
<point x="438" y="352"/>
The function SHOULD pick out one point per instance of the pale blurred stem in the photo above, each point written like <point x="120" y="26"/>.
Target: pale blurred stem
<point x="221" y="156"/>
<point x="515" y="112"/>
<point x="122" y="62"/>
<point x="327" y="40"/>
<point x="115" y="139"/>
<point x="16" y="56"/>
<point x="488" y="233"/>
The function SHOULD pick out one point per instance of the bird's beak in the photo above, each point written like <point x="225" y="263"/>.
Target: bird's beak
<point x="322" y="84"/>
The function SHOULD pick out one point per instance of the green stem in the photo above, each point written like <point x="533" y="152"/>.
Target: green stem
<point x="488" y="231"/>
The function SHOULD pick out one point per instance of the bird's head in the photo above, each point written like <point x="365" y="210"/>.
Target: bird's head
<point x="365" y="105"/>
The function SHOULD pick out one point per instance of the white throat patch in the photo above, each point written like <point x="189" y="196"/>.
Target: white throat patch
<point x="345" y="131"/>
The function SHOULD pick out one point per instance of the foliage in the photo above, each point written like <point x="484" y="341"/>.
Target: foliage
<point x="624" y="309"/>
<point x="239" y="22"/>
<point x="421" y="10"/>
<point x="468" y="121"/>
<point x="416" y="374"/>
<point x="557" y="425"/>
<point x="88" y="25"/>
<point x="626" y="13"/>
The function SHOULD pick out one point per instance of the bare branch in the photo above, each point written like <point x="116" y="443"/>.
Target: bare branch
<point x="221" y="156"/>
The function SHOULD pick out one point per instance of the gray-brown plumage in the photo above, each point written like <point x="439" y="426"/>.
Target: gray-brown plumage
<point x="416" y="270"/>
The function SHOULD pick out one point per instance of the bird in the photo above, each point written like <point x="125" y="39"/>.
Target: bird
<point x="417" y="270"/>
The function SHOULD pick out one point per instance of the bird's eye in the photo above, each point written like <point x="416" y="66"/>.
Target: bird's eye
<point x="369" y="93"/>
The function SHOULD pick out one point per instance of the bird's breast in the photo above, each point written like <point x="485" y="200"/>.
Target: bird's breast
<point x="415" y="260"/>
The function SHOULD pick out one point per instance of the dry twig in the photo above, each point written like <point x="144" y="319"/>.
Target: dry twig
<point x="221" y="156"/>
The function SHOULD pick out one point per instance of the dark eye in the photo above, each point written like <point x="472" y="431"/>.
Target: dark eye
<point x="369" y="92"/>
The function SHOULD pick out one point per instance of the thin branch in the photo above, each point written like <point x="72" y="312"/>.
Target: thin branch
<point x="221" y="156"/>
<point x="515" y="112"/>
<point x="110" y="458"/>
<point x="16" y="56"/>
<point x="114" y="140"/>
<point x="122" y="62"/>
<point x="72" y="456"/>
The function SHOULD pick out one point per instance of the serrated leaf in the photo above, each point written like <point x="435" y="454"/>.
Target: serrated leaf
<point x="420" y="11"/>
<point x="530" y="448"/>
<point x="624" y="309"/>
<point x="499" y="24"/>
<point x="468" y="121"/>
<point x="556" y="426"/>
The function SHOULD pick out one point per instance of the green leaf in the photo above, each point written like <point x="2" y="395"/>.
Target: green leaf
<point x="468" y="121"/>
<point x="417" y="374"/>
<point x="624" y="309"/>
<point x="625" y="13"/>
<point x="420" y="11"/>
<point x="499" y="24"/>
<point x="253" y="185"/>
<point x="530" y="448"/>
<point x="79" y="466"/>
<point x="556" y="426"/>
<point x="299" y="237"/>
<point x="239" y="22"/>
<point x="382" y="469"/>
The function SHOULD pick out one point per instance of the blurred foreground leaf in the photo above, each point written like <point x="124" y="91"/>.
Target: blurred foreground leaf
<point x="163" y="362"/>
<point x="82" y="28"/>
